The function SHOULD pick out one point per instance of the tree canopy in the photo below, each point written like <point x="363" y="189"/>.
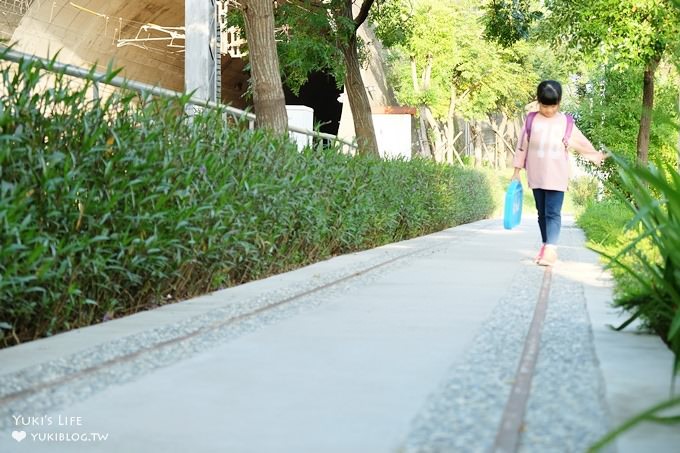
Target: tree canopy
<point x="619" y="34"/>
<point x="448" y="69"/>
<point x="486" y="76"/>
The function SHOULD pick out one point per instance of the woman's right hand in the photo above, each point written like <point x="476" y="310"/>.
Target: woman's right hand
<point x="602" y="157"/>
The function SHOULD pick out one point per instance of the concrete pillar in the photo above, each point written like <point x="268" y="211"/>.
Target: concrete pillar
<point x="202" y="55"/>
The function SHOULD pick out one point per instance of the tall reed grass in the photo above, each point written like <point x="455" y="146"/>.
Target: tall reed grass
<point x="115" y="205"/>
<point x="650" y="257"/>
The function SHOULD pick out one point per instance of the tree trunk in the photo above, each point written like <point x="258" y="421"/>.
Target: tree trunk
<point x="647" y="106"/>
<point x="425" y="149"/>
<point x="448" y="140"/>
<point x="511" y="137"/>
<point x="501" y="150"/>
<point x="358" y="102"/>
<point x="449" y="129"/>
<point x="438" y="149"/>
<point x="477" y="131"/>
<point x="268" y="99"/>
<point x="487" y="154"/>
<point x="356" y="91"/>
<point x="427" y="73"/>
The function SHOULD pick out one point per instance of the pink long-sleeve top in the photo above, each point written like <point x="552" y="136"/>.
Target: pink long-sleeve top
<point x="544" y="156"/>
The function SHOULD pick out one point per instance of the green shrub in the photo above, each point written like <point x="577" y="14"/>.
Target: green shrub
<point x="639" y="234"/>
<point x="605" y="223"/>
<point x="112" y="206"/>
<point x="655" y="202"/>
<point x="607" y="226"/>
<point x="583" y="190"/>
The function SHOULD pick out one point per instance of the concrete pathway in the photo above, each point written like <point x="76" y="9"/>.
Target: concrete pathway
<point x="377" y="362"/>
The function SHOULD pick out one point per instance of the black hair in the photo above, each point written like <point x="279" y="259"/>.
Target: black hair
<point x="549" y="92"/>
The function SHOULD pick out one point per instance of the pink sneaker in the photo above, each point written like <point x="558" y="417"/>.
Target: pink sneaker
<point x="549" y="257"/>
<point x="540" y="254"/>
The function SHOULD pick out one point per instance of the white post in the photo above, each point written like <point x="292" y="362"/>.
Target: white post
<point x="201" y="56"/>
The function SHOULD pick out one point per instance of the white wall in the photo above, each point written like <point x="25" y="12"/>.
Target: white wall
<point x="300" y="116"/>
<point x="393" y="132"/>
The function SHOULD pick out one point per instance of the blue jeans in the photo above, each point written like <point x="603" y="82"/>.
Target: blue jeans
<point x="549" y="206"/>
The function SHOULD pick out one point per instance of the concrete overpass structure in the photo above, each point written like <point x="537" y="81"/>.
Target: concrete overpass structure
<point x="141" y="37"/>
<point x="89" y="32"/>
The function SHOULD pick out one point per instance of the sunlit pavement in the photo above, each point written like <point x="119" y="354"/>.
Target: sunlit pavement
<point x="375" y="362"/>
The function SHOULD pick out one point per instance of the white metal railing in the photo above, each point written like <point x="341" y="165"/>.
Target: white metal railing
<point x="15" y="6"/>
<point x="143" y="88"/>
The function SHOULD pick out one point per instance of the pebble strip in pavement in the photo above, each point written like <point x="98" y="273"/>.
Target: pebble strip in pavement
<point x="566" y="410"/>
<point x="464" y="413"/>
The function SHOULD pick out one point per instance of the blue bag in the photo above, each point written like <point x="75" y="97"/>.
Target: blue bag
<point x="513" y="205"/>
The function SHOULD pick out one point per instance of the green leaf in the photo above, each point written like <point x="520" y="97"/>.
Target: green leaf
<point x="650" y="414"/>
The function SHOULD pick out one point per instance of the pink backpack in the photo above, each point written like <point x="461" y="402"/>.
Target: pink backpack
<point x="567" y="133"/>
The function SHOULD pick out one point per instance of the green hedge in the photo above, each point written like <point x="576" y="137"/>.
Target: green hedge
<point x="611" y="231"/>
<point x="114" y="206"/>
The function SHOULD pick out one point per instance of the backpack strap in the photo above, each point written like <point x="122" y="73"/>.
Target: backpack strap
<point x="567" y="132"/>
<point x="527" y="125"/>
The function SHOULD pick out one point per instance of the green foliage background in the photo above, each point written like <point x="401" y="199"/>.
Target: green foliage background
<point x="608" y="112"/>
<point x="638" y="233"/>
<point x="487" y="78"/>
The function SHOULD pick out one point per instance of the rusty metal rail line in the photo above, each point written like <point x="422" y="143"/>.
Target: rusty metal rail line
<point x="512" y="422"/>
<point x="202" y="330"/>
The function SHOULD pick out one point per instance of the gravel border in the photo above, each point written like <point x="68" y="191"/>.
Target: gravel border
<point x="567" y="407"/>
<point x="464" y="413"/>
<point x="566" y="411"/>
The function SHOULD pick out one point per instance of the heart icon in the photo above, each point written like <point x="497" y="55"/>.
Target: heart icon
<point x="19" y="435"/>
